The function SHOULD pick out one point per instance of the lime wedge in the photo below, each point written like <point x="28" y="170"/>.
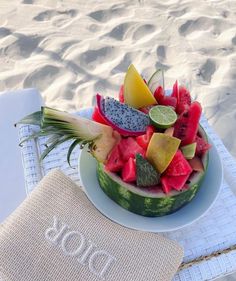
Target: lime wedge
<point x="162" y="116"/>
<point x="157" y="79"/>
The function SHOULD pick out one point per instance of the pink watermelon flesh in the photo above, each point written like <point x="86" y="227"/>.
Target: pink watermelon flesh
<point x="114" y="161"/>
<point x="196" y="164"/>
<point x="168" y="101"/>
<point x="121" y="94"/>
<point x="124" y="119"/>
<point x="202" y="146"/>
<point x="186" y="126"/>
<point x="159" y="93"/>
<point x="144" y="140"/>
<point x="165" y="186"/>
<point x="175" y="91"/>
<point x="129" y="148"/>
<point x="184" y="100"/>
<point x="146" y="109"/>
<point x="179" y="166"/>
<point x="173" y="182"/>
<point x="129" y="171"/>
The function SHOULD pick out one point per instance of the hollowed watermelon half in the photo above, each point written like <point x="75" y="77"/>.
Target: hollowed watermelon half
<point x="150" y="202"/>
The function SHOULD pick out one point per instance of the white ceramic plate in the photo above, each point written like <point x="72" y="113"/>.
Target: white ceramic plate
<point x="185" y="216"/>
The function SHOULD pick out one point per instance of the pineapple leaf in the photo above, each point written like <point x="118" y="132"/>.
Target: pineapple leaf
<point x="32" y="119"/>
<point x="60" y="127"/>
<point x="53" y="138"/>
<point x="72" y="147"/>
<point x="34" y="136"/>
<point x="52" y="146"/>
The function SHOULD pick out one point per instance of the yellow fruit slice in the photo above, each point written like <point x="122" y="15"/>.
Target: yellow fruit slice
<point x="136" y="92"/>
<point x="161" y="150"/>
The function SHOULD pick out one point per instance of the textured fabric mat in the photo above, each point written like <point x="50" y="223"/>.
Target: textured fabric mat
<point x="56" y="234"/>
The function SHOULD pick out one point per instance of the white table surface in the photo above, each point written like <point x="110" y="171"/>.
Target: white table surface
<point x="13" y="106"/>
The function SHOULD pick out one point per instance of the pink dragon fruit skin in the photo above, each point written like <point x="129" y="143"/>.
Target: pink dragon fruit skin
<point x="124" y="119"/>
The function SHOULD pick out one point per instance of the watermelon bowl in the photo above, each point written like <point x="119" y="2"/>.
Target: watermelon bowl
<point x="199" y="205"/>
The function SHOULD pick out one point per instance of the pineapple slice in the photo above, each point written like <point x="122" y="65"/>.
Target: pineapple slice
<point x="62" y="126"/>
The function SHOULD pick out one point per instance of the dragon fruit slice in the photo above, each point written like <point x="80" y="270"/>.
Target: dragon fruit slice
<point x="121" y="117"/>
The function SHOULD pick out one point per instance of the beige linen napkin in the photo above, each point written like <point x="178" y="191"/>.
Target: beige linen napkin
<point x="56" y="234"/>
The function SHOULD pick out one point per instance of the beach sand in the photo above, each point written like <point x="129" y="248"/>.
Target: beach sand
<point x="70" y="50"/>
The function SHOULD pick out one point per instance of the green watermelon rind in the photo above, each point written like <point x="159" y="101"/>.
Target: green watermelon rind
<point x="140" y="201"/>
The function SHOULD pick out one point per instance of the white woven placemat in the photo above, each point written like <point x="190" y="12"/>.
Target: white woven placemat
<point x="209" y="243"/>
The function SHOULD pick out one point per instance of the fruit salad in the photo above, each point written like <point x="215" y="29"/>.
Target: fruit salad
<point x="151" y="151"/>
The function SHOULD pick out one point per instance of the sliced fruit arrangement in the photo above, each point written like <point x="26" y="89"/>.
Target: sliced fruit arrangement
<point x="151" y="151"/>
<point x="140" y="187"/>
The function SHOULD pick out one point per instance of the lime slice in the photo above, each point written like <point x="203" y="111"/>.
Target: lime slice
<point x="157" y="79"/>
<point x="162" y="116"/>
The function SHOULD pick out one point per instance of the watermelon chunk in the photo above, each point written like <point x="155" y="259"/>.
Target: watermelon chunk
<point x="179" y="166"/>
<point x="114" y="161"/>
<point x="168" y="101"/>
<point x="165" y="100"/>
<point x="166" y="187"/>
<point x="202" y="146"/>
<point x="173" y="182"/>
<point x="184" y="100"/>
<point x="182" y="96"/>
<point x="159" y="93"/>
<point x="129" y="171"/>
<point x="144" y="140"/>
<point x="186" y="126"/>
<point x="176" y="174"/>
<point x="129" y="148"/>
<point x="175" y="91"/>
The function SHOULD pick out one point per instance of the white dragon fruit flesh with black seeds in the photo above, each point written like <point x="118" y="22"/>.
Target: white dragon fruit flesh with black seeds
<point x="123" y="118"/>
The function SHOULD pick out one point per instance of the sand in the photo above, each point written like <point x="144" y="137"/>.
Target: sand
<point x="70" y="50"/>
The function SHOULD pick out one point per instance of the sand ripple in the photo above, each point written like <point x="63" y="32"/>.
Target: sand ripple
<point x="70" y="50"/>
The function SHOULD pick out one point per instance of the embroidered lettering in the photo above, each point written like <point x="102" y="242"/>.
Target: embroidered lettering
<point x="75" y="244"/>
<point x="100" y="262"/>
<point x="55" y="233"/>
<point x="68" y="236"/>
<point x="86" y="254"/>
